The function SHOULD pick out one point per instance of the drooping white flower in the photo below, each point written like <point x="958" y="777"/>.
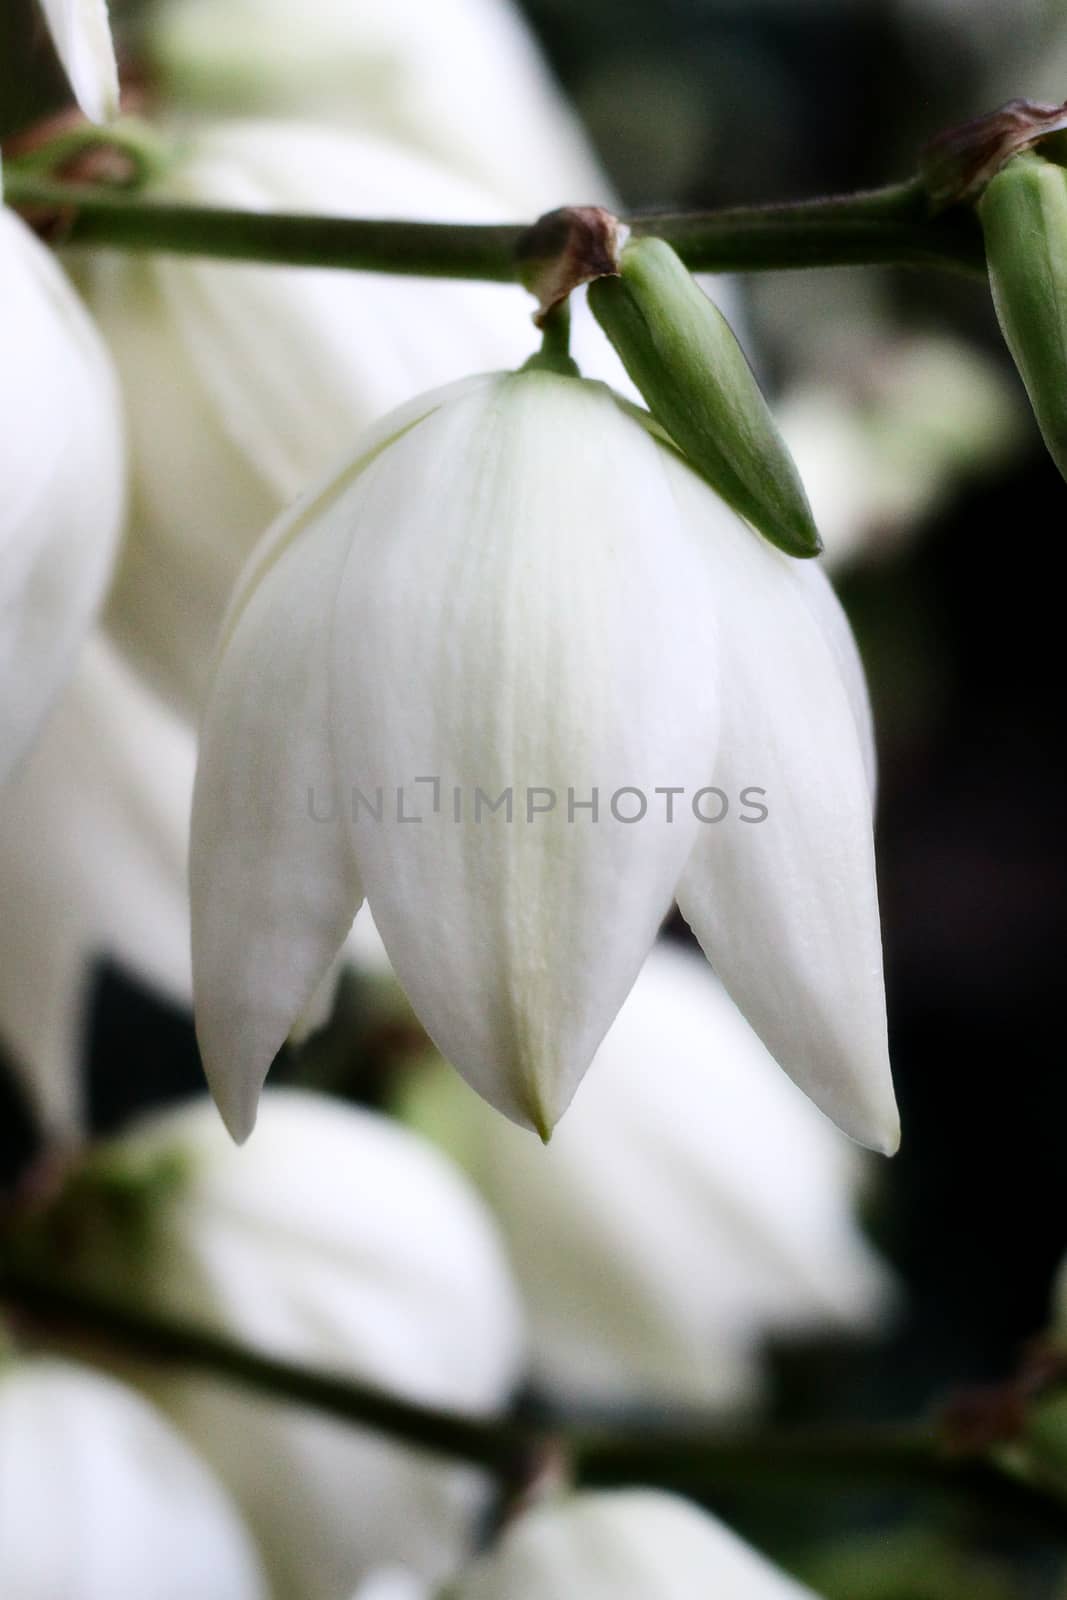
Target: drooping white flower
<point x="248" y="380"/>
<point x="102" y="1499"/>
<point x="690" y="1204"/>
<point x="460" y="80"/>
<point x="341" y="1241"/>
<point x="81" y="32"/>
<point x="633" y="1545"/>
<point x="515" y="587"/>
<point x="93" y="831"/>
<point x="61" y="463"/>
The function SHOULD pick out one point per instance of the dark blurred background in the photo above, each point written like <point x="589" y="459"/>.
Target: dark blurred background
<point x="704" y="102"/>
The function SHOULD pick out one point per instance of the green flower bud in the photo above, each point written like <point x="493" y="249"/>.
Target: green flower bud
<point x="681" y="353"/>
<point x="1024" y="217"/>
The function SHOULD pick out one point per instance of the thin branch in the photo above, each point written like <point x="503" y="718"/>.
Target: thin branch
<point x="905" y="1458"/>
<point x="689" y="1458"/>
<point x="881" y="227"/>
<point x="500" y="1446"/>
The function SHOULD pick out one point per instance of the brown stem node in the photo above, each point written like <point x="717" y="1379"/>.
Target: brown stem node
<point x="566" y="248"/>
<point x="957" y="164"/>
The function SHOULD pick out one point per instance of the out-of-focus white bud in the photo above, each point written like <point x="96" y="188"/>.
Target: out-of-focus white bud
<point x="691" y="1203"/>
<point x="81" y="32"/>
<point x="61" y="464"/>
<point x="633" y="1545"/>
<point x="93" y="834"/>
<point x="909" y="422"/>
<point x="102" y="1499"/>
<point x="556" y="540"/>
<point x="461" y="80"/>
<point x="341" y="1241"/>
<point x="392" y="1584"/>
<point x="247" y="380"/>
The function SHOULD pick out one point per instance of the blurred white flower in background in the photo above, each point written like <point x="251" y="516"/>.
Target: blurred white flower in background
<point x="81" y="32"/>
<point x="392" y="1583"/>
<point x="242" y="382"/>
<point x="102" y="1499"/>
<point x="93" y="833"/>
<point x="511" y="584"/>
<point x="62" y="467"/>
<point x="901" y="426"/>
<point x="636" y="1544"/>
<point x="459" y="80"/>
<point x="338" y="1240"/>
<point x="691" y="1203"/>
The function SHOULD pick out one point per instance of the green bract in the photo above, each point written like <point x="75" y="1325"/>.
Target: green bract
<point x="681" y="353"/>
<point x="1024" y="218"/>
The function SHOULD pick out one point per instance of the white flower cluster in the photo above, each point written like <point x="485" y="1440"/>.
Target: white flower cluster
<point x="514" y="579"/>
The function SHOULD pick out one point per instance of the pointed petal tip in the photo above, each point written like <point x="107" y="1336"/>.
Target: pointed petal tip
<point x="237" y="1104"/>
<point x="879" y="1131"/>
<point x="890" y="1141"/>
<point x="544" y="1132"/>
<point x="534" y="1111"/>
<point x="239" y="1120"/>
<point x="540" y="1120"/>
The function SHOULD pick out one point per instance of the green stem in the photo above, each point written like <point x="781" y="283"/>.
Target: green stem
<point x="555" y="352"/>
<point x="904" y="1459"/>
<point x="884" y="226"/>
<point x="695" y="1459"/>
<point x="501" y="1447"/>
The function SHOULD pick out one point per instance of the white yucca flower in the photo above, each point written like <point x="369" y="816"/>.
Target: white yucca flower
<point x="460" y="80"/>
<point x="515" y="586"/>
<point x="81" y="32"/>
<point x="93" y="831"/>
<point x="690" y="1204"/>
<point x="102" y="1499"/>
<point x="340" y="1241"/>
<point x="61" y="463"/>
<point x="633" y="1545"/>
<point x="247" y="381"/>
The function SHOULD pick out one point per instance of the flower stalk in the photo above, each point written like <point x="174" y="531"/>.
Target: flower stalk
<point x="888" y="226"/>
<point x="690" y="1457"/>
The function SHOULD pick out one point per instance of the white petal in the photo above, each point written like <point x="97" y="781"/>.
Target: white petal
<point x="828" y="614"/>
<point x="101" y="1498"/>
<point x="629" y="1545"/>
<point x="82" y="35"/>
<point x="273" y="884"/>
<point x="273" y="881"/>
<point x="61" y="465"/>
<point x="691" y="1202"/>
<point x="786" y="908"/>
<point x="534" y="622"/>
<point x="92" y="865"/>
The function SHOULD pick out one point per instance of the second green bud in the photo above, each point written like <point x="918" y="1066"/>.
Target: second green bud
<point x="682" y="354"/>
<point x="1024" y="218"/>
